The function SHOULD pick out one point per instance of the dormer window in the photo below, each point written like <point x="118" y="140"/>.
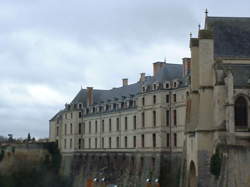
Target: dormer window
<point x="167" y="85"/>
<point x="143" y="89"/>
<point x="154" y="86"/>
<point x="93" y="109"/>
<point x="80" y="106"/>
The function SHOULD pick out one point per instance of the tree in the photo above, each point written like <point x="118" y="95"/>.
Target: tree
<point x="28" y="138"/>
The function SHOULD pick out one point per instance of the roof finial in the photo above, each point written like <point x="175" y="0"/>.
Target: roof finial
<point x="190" y="35"/>
<point x="206" y="12"/>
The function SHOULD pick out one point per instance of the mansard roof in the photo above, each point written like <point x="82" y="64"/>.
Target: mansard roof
<point x="167" y="73"/>
<point x="231" y="36"/>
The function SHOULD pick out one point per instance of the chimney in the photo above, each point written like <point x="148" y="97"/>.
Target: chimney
<point x="143" y="77"/>
<point x="90" y="97"/>
<point x="125" y="82"/>
<point x="186" y="62"/>
<point x="157" y="66"/>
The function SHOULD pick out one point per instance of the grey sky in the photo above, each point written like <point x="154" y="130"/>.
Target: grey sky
<point x="50" y="48"/>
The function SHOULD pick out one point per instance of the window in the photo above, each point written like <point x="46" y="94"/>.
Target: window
<point x="83" y="127"/>
<point x="117" y="124"/>
<point x="89" y="127"/>
<point x="71" y="115"/>
<point x="110" y="125"/>
<point x="167" y="117"/>
<point x="126" y="123"/>
<point x="134" y="121"/>
<point x="240" y="113"/>
<point x="70" y="144"/>
<point x="95" y="126"/>
<point x="154" y="99"/>
<point x="89" y="143"/>
<point x="79" y="128"/>
<point x="65" y="129"/>
<point x="71" y="128"/>
<point x="117" y="142"/>
<point x="143" y="119"/>
<point x="102" y="142"/>
<point x="154" y="118"/>
<point x="134" y="141"/>
<point x="96" y="143"/>
<point x="167" y="98"/>
<point x="143" y="101"/>
<point x="83" y="143"/>
<point x="154" y="140"/>
<point x="126" y="142"/>
<point x="167" y="85"/>
<point x="175" y="117"/>
<point x="65" y="143"/>
<point x="57" y="131"/>
<point x="168" y="139"/>
<point x="80" y="114"/>
<point x="79" y="143"/>
<point x="174" y="97"/>
<point x="142" y="140"/>
<point x="175" y="139"/>
<point x="110" y="141"/>
<point x="102" y="125"/>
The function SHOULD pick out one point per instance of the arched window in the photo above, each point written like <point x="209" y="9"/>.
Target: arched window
<point x="240" y="113"/>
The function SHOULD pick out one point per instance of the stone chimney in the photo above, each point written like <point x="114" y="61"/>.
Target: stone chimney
<point x="157" y="66"/>
<point x="90" y="96"/>
<point x="125" y="82"/>
<point x="186" y="62"/>
<point x="143" y="77"/>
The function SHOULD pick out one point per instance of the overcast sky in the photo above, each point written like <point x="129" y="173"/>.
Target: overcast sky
<point x="50" y="48"/>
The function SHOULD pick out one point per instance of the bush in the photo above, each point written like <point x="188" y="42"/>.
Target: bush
<point x="215" y="164"/>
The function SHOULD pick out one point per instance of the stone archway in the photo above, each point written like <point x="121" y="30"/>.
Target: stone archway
<point x="192" y="179"/>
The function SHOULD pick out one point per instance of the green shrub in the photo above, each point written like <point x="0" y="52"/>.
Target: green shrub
<point x="215" y="164"/>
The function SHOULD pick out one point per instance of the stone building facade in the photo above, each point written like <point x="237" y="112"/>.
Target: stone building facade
<point x="148" y="115"/>
<point x="218" y="108"/>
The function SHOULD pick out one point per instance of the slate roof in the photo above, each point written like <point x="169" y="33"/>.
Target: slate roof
<point x="168" y="72"/>
<point x="241" y="73"/>
<point x="231" y="36"/>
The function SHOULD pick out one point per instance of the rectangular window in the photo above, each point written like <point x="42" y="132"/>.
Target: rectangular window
<point x="142" y="140"/>
<point x="102" y="125"/>
<point x="80" y="114"/>
<point x="83" y="127"/>
<point x="154" y="140"/>
<point x="126" y="123"/>
<point x="167" y="98"/>
<point x="134" y="119"/>
<point x="89" y="127"/>
<point x="134" y="141"/>
<point x="143" y="119"/>
<point x="110" y="142"/>
<point x="71" y="115"/>
<point x="71" y="128"/>
<point x="154" y="99"/>
<point x="89" y="143"/>
<point x="143" y="101"/>
<point x="102" y="142"/>
<point x="174" y="97"/>
<point x="95" y="126"/>
<point x="175" y="117"/>
<point x="110" y="125"/>
<point x="117" y="142"/>
<point x="154" y="118"/>
<point x="70" y="145"/>
<point x="79" y="128"/>
<point x="96" y="143"/>
<point x="168" y="140"/>
<point x="175" y="139"/>
<point x="167" y="117"/>
<point x="83" y="143"/>
<point x="117" y="124"/>
<point x="65" y="129"/>
<point x="65" y="143"/>
<point x="126" y="142"/>
<point x="79" y="143"/>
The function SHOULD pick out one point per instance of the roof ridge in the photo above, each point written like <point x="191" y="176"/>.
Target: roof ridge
<point x="228" y="17"/>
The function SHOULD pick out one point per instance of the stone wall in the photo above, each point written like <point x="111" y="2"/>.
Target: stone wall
<point x="123" y="169"/>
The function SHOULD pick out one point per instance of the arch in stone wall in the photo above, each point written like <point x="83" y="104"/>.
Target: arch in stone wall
<point x="241" y="113"/>
<point x="192" y="179"/>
